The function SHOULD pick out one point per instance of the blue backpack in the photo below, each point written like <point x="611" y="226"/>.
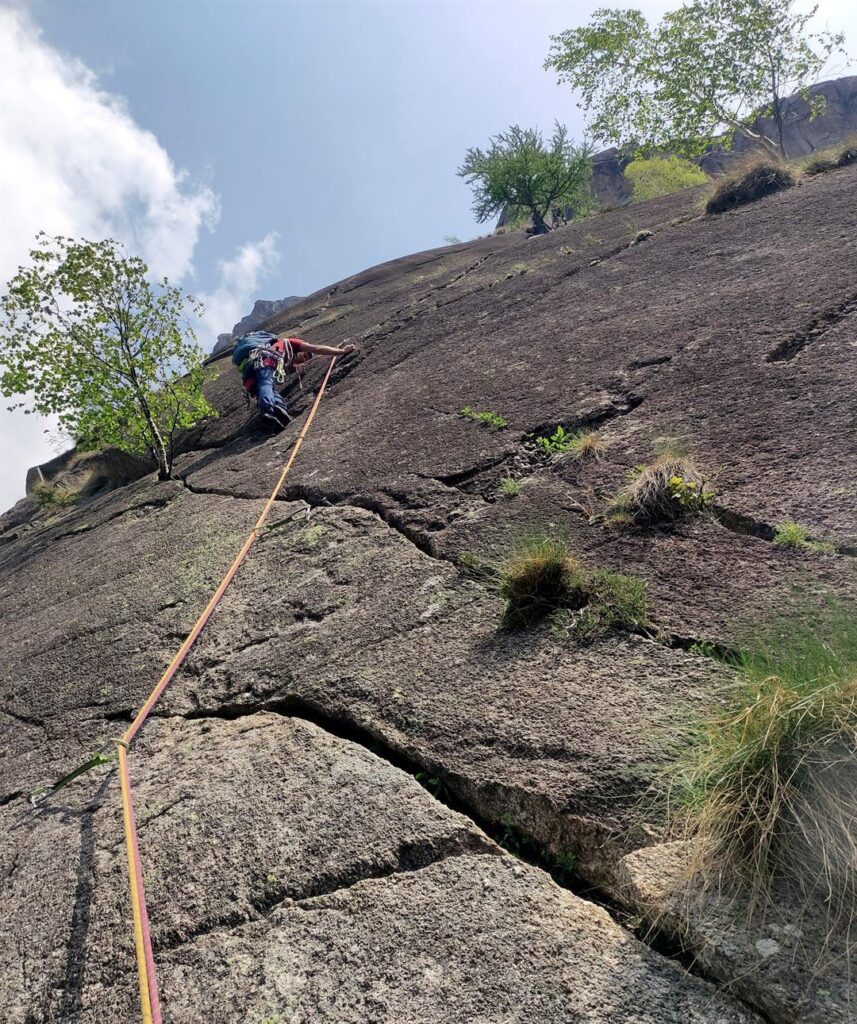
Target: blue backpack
<point x="247" y="342"/>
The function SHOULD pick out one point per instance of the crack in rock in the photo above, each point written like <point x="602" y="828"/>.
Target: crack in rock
<point x="818" y="326"/>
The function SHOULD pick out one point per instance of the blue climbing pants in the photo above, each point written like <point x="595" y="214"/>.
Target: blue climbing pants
<point x="267" y="398"/>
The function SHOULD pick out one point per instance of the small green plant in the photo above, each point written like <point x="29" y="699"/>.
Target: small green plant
<point x="663" y="491"/>
<point x="51" y="496"/>
<point x="767" y="790"/>
<point x="510" y="487"/>
<point x="488" y="419"/>
<point x="541" y="577"/>
<point x="580" y="443"/>
<point x="794" y="537"/>
<point x="789" y="534"/>
<point x="451" y="239"/>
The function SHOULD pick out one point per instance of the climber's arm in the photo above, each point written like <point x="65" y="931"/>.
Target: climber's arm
<point x="328" y="350"/>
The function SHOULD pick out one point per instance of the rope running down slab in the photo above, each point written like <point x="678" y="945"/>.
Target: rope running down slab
<point x="149" y="1002"/>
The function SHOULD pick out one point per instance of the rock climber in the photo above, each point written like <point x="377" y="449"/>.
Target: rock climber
<point x="264" y="359"/>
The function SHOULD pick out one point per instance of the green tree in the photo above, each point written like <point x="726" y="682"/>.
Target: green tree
<point x="86" y="337"/>
<point x="706" y="71"/>
<point x="662" y="175"/>
<point x="518" y="173"/>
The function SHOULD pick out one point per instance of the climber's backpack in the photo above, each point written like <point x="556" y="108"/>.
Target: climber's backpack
<point x="245" y="345"/>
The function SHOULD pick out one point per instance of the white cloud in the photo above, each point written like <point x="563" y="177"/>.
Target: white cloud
<point x="238" y="287"/>
<point x="73" y="161"/>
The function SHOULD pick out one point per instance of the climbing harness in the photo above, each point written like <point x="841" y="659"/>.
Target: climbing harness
<point x="286" y="360"/>
<point x="149" y="1002"/>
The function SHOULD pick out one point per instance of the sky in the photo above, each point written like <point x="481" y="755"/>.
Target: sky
<point x="263" y="148"/>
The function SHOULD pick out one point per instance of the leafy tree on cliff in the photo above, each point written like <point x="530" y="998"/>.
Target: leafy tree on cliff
<point x="704" y="71"/>
<point x="522" y="175"/>
<point x="88" y="338"/>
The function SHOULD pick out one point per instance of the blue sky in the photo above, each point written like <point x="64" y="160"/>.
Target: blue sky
<point x="262" y="148"/>
<point x="338" y="125"/>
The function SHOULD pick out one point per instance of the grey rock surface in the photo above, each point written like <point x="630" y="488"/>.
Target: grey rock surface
<point x="352" y="614"/>
<point x="783" y="957"/>
<point x="469" y="939"/>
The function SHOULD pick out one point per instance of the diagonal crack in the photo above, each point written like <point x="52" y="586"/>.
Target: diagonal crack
<point x="817" y="327"/>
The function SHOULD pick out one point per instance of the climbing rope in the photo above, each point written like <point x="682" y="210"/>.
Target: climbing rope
<point x="149" y="1002"/>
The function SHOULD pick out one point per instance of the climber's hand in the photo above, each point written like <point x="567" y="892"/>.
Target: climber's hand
<point x="348" y="348"/>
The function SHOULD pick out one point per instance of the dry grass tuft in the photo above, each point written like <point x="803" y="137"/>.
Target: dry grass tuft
<point x="830" y="160"/>
<point x="663" y="491"/>
<point x="762" y="180"/>
<point x="767" y="793"/>
<point x="539" y="576"/>
<point x="847" y="157"/>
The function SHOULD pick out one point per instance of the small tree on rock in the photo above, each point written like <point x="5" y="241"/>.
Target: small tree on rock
<point x="88" y="338"/>
<point x="704" y="72"/>
<point x="518" y="173"/>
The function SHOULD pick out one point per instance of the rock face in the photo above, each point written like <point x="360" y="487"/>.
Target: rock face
<point x="803" y="134"/>
<point x="263" y="309"/>
<point x="295" y="867"/>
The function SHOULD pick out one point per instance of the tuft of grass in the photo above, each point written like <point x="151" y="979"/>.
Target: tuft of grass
<point x="820" y="165"/>
<point x="767" y="790"/>
<point x="614" y="601"/>
<point x="510" y="487"/>
<point x="474" y="567"/>
<point x="580" y="443"/>
<point x="538" y="577"/>
<point x="830" y="160"/>
<point x="541" y="576"/>
<point x="794" y="537"/>
<point x="663" y="491"/>
<point x="762" y="180"/>
<point x="487" y="419"/>
<point x="52" y="496"/>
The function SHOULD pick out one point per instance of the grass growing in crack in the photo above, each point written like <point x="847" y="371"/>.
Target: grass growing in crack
<point x="540" y="576"/>
<point x="51" y="496"/>
<point x="487" y="419"/>
<point x="510" y="487"/>
<point x="580" y="443"/>
<point x="663" y="491"/>
<point x="561" y="866"/>
<point x="794" y="537"/>
<point x="767" y="791"/>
